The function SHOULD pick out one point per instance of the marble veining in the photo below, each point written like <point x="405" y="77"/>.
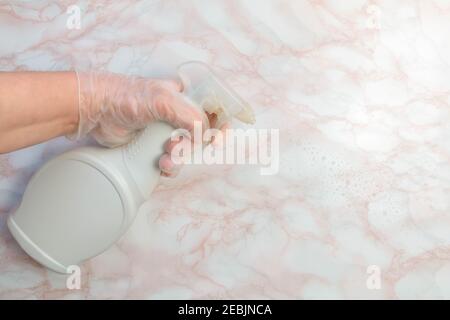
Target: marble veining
<point x="360" y="91"/>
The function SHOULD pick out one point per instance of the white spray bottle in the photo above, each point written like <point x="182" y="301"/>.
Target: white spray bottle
<point x="80" y="203"/>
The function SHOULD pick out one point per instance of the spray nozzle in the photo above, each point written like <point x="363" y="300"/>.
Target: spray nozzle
<point x="212" y="94"/>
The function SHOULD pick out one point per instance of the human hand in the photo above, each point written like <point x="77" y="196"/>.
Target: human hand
<point x="114" y="107"/>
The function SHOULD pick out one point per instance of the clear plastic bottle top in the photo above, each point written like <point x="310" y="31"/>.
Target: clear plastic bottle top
<point x="212" y="94"/>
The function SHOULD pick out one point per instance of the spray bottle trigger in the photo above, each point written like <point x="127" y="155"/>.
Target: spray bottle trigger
<point x="212" y="94"/>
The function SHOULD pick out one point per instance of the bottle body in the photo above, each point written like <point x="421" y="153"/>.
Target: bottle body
<point x="80" y="203"/>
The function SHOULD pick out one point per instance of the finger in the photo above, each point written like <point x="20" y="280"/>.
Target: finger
<point x="172" y="161"/>
<point x="178" y="111"/>
<point x="217" y="142"/>
<point x="183" y="143"/>
<point x="220" y="143"/>
<point x="167" y="166"/>
<point x="212" y="118"/>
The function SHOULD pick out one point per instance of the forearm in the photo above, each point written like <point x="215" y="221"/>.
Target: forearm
<point x="35" y="107"/>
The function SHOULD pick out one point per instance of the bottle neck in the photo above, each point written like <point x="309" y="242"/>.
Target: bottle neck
<point x="141" y="155"/>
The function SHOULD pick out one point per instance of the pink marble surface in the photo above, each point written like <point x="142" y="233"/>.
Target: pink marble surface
<point x="360" y="91"/>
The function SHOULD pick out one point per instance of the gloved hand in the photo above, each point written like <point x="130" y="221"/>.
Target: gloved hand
<point x="113" y="107"/>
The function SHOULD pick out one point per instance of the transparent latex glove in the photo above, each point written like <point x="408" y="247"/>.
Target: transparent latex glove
<point x="168" y="166"/>
<point x="114" y="107"/>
